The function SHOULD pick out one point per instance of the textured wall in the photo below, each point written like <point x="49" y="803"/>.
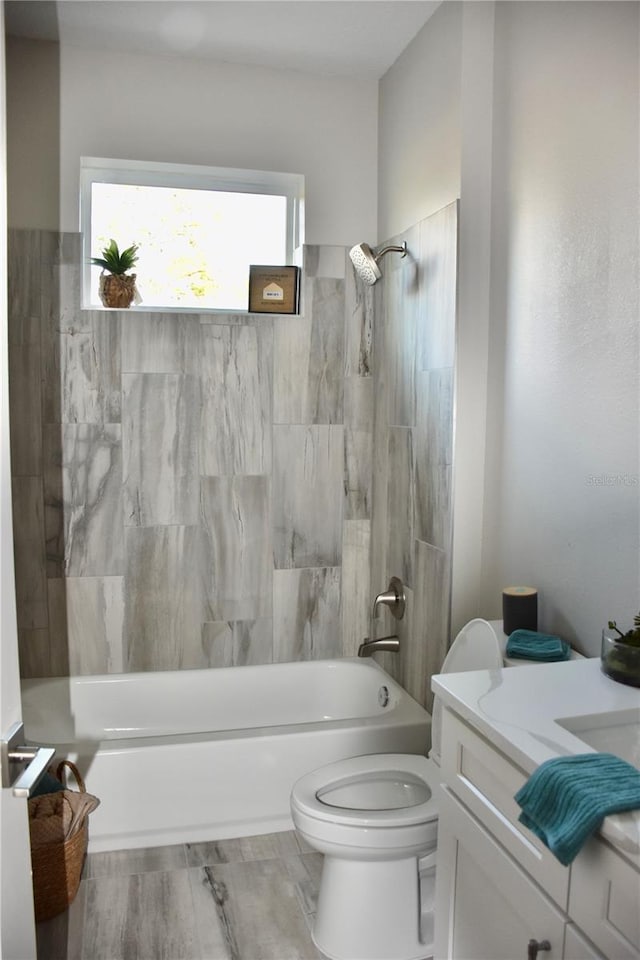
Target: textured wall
<point x="414" y="349"/>
<point x="562" y="508"/>
<point x="189" y="490"/>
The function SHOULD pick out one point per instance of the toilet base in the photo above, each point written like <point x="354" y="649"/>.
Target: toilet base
<point x="369" y="910"/>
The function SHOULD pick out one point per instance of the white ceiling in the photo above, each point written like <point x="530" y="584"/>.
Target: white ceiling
<point x="342" y="37"/>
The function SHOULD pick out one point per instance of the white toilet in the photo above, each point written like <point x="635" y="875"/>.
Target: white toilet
<point x="375" y="819"/>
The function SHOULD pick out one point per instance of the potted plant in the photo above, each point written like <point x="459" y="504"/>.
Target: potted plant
<point x="117" y="288"/>
<point x="620" y="655"/>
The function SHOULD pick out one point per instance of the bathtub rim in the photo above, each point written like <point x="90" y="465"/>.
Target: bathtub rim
<point x="402" y="704"/>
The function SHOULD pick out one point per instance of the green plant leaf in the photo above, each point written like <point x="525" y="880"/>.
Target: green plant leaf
<point x="115" y="262"/>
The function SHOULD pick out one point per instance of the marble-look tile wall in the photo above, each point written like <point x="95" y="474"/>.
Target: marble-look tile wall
<point x="415" y="317"/>
<point x="189" y="490"/>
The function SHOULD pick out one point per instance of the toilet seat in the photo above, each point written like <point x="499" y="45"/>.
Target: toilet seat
<point x="319" y="793"/>
<point x="382" y="790"/>
<point x="378" y="833"/>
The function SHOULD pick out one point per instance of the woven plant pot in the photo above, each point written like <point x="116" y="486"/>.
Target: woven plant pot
<point x="117" y="290"/>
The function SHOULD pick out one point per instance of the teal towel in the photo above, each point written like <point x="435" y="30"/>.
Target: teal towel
<point x="48" y="784"/>
<point x="529" y="645"/>
<point x="566" y="799"/>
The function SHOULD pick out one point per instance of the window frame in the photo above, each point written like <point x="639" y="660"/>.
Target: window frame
<point x="192" y="177"/>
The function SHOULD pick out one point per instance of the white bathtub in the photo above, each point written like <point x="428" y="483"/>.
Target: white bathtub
<point x="209" y="754"/>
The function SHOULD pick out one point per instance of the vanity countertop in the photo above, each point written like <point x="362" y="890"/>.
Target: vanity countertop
<point x="521" y="712"/>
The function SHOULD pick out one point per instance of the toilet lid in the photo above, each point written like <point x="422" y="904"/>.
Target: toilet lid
<point x="475" y="648"/>
<point x="383" y="790"/>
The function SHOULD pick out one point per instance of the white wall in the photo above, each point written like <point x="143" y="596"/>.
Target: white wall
<point x="33" y="134"/>
<point x="193" y="111"/>
<point x="547" y="156"/>
<point x="564" y="351"/>
<point x="474" y="312"/>
<point x="17" y="925"/>
<point x="419" y="127"/>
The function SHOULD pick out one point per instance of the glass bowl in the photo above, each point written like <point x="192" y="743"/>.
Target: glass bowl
<point x="620" y="661"/>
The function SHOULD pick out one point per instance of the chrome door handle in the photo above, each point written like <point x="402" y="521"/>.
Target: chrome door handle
<point x="14" y="754"/>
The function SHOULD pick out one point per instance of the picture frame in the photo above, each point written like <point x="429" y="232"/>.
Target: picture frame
<point x="274" y="289"/>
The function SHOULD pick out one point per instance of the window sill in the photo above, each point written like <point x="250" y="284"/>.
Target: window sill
<point x="195" y="311"/>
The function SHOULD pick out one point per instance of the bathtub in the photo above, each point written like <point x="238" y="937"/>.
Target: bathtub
<point x="193" y="755"/>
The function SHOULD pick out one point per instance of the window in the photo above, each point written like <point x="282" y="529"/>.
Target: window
<point x="198" y="228"/>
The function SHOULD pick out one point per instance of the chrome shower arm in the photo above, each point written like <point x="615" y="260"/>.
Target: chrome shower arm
<point x="391" y="248"/>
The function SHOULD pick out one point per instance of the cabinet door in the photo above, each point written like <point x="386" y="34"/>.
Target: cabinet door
<point x="487" y="908"/>
<point x="486" y="781"/>
<point x="577" y="947"/>
<point x="604" y="900"/>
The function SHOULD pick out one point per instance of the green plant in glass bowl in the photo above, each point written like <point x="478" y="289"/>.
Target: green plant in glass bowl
<point x="620" y="655"/>
<point x="117" y="287"/>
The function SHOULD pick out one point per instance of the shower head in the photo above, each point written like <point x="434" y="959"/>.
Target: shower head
<point x="366" y="261"/>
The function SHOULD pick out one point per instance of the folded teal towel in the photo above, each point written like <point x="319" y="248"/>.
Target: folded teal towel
<point x="566" y="799"/>
<point x="529" y="645"/>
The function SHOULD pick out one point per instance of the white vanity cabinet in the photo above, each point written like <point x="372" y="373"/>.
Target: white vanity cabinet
<point x="577" y="947"/>
<point x="604" y="900"/>
<point x="499" y="891"/>
<point x="492" y="908"/>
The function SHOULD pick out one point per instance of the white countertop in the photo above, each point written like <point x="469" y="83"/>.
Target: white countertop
<point x="518" y="711"/>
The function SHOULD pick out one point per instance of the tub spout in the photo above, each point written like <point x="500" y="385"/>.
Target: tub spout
<point x="384" y="643"/>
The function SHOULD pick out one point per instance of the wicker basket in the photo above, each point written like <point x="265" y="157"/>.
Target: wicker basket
<point x="57" y="866"/>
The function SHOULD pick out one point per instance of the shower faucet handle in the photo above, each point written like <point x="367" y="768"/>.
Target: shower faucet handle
<point x="393" y="597"/>
<point x="534" y="946"/>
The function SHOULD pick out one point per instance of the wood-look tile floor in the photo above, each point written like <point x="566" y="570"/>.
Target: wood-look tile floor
<point x="253" y="898"/>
